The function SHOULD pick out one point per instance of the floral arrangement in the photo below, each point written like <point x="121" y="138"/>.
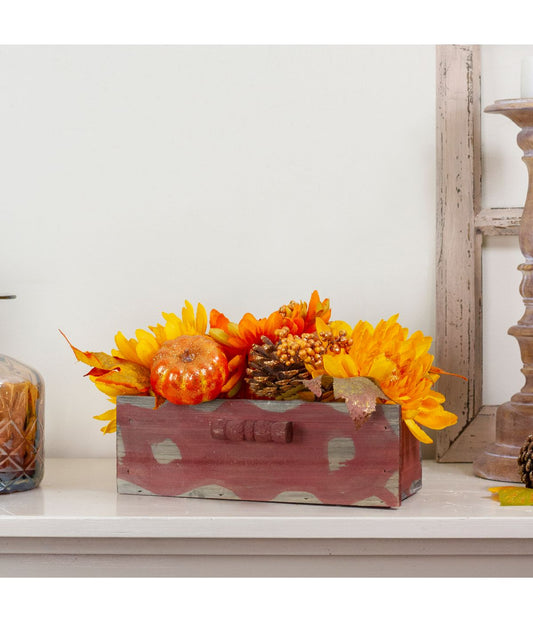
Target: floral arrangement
<point x="296" y="352"/>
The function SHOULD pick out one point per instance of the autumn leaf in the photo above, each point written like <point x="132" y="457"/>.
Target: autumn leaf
<point x="513" y="495"/>
<point x="113" y="375"/>
<point x="111" y="417"/>
<point x="360" y="394"/>
<point x="314" y="385"/>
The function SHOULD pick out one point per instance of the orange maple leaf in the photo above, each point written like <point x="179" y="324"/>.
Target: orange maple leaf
<point x="112" y="375"/>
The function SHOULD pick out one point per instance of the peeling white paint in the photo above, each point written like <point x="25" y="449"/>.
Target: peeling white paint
<point x="127" y="488"/>
<point x="121" y="452"/>
<point x="165" y="452"/>
<point x="277" y="406"/>
<point x="393" y="483"/>
<point x="207" y="407"/>
<point x="372" y="501"/>
<point x="340" y="451"/>
<point x="391" y="414"/>
<point x="211" y="491"/>
<point x="297" y="496"/>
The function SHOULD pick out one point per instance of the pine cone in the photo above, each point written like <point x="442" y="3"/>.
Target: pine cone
<point x="269" y="377"/>
<point x="525" y="462"/>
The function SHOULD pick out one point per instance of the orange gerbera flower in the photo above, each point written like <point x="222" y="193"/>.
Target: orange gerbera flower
<point x="401" y="365"/>
<point x="238" y="339"/>
<point x="304" y="315"/>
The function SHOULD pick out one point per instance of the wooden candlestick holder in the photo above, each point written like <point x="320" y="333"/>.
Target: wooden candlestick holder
<point x="514" y="419"/>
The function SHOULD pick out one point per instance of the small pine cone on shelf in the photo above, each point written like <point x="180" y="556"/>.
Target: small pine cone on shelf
<point x="525" y="462"/>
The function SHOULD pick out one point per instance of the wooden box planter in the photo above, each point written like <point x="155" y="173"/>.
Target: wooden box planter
<point x="291" y="452"/>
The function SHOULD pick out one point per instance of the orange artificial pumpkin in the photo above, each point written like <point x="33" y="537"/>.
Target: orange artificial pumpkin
<point x="189" y="370"/>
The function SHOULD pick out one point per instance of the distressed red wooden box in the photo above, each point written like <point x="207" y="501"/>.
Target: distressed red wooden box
<point x="282" y="451"/>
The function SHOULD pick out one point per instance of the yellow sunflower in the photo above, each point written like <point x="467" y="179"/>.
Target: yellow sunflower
<point x="127" y="370"/>
<point x="142" y="349"/>
<point x="401" y="365"/>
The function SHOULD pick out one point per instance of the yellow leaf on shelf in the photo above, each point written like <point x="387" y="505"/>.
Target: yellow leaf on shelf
<point x="513" y="495"/>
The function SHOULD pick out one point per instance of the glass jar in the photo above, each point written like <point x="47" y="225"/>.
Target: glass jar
<point x="21" y="425"/>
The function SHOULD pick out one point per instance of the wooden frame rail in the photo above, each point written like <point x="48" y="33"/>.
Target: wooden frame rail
<point x="461" y="225"/>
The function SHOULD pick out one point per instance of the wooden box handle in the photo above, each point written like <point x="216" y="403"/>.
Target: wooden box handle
<point x="257" y="430"/>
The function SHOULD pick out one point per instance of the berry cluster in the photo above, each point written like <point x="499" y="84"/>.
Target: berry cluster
<point x="305" y="348"/>
<point x="336" y="343"/>
<point x="309" y="348"/>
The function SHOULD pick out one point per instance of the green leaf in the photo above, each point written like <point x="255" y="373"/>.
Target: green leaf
<point x="513" y="495"/>
<point x="360" y="395"/>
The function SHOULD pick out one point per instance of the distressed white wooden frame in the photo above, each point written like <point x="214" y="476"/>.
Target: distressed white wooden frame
<point x="461" y="225"/>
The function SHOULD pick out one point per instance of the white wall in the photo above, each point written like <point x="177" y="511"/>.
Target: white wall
<point x="243" y="177"/>
<point x="504" y="185"/>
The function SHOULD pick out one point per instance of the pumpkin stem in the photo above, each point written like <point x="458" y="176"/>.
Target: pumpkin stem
<point x="188" y="356"/>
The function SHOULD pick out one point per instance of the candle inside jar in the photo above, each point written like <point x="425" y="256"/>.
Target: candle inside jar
<point x="526" y="82"/>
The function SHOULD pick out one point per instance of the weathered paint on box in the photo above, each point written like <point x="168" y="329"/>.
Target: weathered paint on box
<point x="292" y="452"/>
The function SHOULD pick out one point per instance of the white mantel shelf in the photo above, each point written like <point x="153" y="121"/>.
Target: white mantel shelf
<point x="75" y="524"/>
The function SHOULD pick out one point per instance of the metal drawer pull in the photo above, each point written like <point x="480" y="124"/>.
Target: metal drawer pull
<point x="252" y="430"/>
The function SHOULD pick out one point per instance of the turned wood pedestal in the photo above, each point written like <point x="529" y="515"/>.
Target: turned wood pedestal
<point x="514" y="419"/>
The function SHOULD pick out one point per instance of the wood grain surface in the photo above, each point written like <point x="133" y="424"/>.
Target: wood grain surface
<point x="458" y="342"/>
<point x="514" y="419"/>
<point x="461" y="225"/>
<point x="204" y="451"/>
<point x="498" y="221"/>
